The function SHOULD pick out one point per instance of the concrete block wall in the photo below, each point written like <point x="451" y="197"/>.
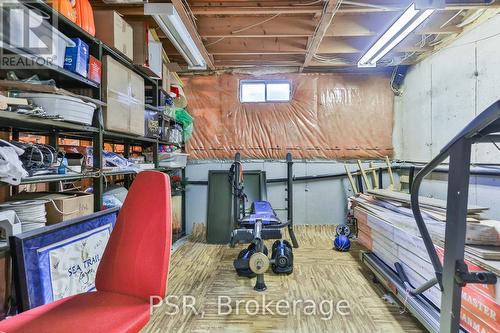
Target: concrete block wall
<point x="315" y="202"/>
<point x="441" y="94"/>
<point x="445" y="91"/>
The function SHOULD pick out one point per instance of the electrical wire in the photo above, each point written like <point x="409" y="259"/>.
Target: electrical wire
<point x="451" y="19"/>
<point x="495" y="144"/>
<point x="323" y="12"/>
<point x="307" y="3"/>
<point x="256" y="24"/>
<point x="326" y="60"/>
<point x="368" y="5"/>
<point x="477" y="14"/>
<point x="187" y="8"/>
<point x="397" y="92"/>
<point x="244" y="29"/>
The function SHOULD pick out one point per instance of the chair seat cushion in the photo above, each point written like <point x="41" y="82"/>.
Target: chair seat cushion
<point x="83" y="313"/>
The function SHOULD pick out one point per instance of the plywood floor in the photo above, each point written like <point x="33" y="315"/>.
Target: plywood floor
<point x="320" y="273"/>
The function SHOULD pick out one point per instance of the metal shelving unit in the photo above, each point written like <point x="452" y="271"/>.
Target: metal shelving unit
<point x="61" y="75"/>
<point x="29" y="123"/>
<point x="53" y="129"/>
<point x="56" y="178"/>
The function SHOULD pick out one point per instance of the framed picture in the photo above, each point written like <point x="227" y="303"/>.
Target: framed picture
<point x="60" y="260"/>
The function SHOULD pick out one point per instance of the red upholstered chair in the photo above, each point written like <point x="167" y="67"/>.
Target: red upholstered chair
<point x="133" y="268"/>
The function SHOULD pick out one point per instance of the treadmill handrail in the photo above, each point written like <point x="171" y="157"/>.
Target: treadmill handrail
<point x="475" y="129"/>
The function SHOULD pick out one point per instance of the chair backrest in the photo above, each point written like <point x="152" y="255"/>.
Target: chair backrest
<point x="137" y="255"/>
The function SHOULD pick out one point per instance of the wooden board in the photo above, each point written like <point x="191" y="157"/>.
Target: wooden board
<point x="482" y="233"/>
<point x="484" y="252"/>
<point x="206" y="272"/>
<point x="424" y="201"/>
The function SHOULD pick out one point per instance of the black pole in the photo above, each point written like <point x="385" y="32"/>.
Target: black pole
<point x="380" y="178"/>
<point x="360" y="184"/>
<point x="289" y="190"/>
<point x="289" y="185"/>
<point x="236" y="189"/>
<point x="411" y="176"/>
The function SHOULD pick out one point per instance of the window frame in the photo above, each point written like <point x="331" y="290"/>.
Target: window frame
<point x="266" y="82"/>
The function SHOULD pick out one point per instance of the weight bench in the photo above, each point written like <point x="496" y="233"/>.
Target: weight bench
<point x="260" y="224"/>
<point x="133" y="268"/>
<point x="263" y="212"/>
<point x="260" y="210"/>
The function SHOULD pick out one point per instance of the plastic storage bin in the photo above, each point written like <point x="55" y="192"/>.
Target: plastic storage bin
<point x="70" y="108"/>
<point x="173" y="160"/>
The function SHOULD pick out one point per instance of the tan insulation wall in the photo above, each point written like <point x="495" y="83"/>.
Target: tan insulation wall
<point x="330" y="116"/>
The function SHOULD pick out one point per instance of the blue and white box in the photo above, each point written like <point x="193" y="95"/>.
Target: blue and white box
<point x="76" y="58"/>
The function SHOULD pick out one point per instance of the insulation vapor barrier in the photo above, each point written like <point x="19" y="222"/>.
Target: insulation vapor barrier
<point x="330" y="116"/>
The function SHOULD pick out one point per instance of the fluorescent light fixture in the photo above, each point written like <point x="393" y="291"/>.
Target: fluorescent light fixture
<point x="403" y="34"/>
<point x="172" y="26"/>
<point x="404" y="25"/>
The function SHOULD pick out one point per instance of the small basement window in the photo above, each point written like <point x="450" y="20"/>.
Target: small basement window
<point x="261" y="91"/>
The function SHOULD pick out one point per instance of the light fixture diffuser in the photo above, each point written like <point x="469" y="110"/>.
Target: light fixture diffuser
<point x="399" y="30"/>
<point x="172" y="26"/>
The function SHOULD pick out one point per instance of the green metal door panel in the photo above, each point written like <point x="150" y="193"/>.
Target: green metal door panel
<point x="220" y="204"/>
<point x="219" y="217"/>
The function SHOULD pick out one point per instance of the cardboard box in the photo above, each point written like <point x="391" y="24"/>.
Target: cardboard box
<point x="95" y="70"/>
<point x="155" y="63"/>
<point x="76" y="59"/>
<point x="147" y="50"/>
<point x="69" y="205"/>
<point x="124" y="95"/>
<point x="113" y="30"/>
<point x="136" y="125"/>
<point x="165" y="83"/>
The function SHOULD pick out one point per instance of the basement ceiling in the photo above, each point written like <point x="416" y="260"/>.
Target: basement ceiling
<point x="308" y="35"/>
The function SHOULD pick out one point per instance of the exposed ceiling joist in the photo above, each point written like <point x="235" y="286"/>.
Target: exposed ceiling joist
<point x="234" y="33"/>
<point x="331" y="8"/>
<point x="256" y="64"/>
<point x="287" y="26"/>
<point x="225" y="10"/>
<point x="258" y="46"/>
<point x="342" y="45"/>
<point x="280" y="26"/>
<point x="336" y="45"/>
<point x="236" y="10"/>
<point x="259" y="49"/>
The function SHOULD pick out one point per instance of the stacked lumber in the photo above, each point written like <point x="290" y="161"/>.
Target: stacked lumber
<point x="388" y="229"/>
<point x="395" y="208"/>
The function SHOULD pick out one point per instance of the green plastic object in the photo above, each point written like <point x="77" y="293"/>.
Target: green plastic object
<point x="182" y="116"/>
<point x="170" y="111"/>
